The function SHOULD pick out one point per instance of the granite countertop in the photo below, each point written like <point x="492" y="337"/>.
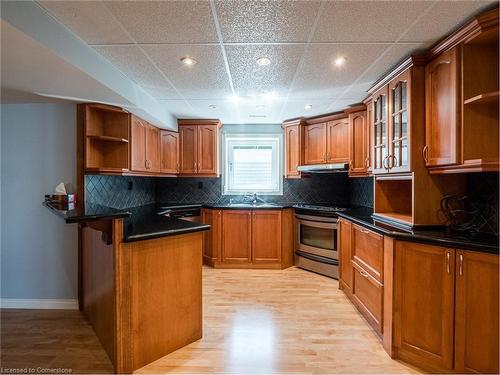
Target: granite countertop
<point x="441" y="236"/>
<point x="249" y="206"/>
<point x="145" y="223"/>
<point x="88" y="212"/>
<point x="140" y="223"/>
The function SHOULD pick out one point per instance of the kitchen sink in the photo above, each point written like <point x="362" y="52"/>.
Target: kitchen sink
<point x="252" y="205"/>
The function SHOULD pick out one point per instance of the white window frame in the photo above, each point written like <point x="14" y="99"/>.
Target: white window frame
<point x="263" y="139"/>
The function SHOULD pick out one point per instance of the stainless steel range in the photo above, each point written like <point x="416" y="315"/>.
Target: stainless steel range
<point x="316" y="239"/>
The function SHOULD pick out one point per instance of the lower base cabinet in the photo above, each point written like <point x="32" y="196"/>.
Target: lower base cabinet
<point x="248" y="238"/>
<point x="436" y="308"/>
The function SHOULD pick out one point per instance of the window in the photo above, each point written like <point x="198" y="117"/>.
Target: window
<point x="252" y="164"/>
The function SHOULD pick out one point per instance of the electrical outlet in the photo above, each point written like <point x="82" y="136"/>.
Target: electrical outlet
<point x="130" y="185"/>
<point x="200" y="184"/>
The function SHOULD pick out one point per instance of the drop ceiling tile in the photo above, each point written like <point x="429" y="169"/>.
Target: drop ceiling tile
<point x="166" y="21"/>
<point x="205" y="80"/>
<point x="266" y="21"/>
<point x="136" y="66"/>
<point x="442" y="18"/>
<point x="295" y="107"/>
<point x="320" y="77"/>
<point x="361" y="21"/>
<point x="90" y="20"/>
<point x="250" y="78"/>
<point x="179" y="108"/>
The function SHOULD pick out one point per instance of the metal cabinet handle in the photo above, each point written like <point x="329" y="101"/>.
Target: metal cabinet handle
<point x="386" y="166"/>
<point x="219" y="213"/>
<point x="461" y="263"/>
<point x="367" y="162"/>
<point x="394" y="161"/>
<point x="425" y="153"/>
<point x="448" y="262"/>
<point x="364" y="274"/>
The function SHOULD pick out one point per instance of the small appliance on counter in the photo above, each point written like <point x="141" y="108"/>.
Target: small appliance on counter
<point x="316" y="238"/>
<point x="190" y="212"/>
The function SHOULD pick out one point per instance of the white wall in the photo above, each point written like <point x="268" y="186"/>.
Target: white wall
<point x="39" y="250"/>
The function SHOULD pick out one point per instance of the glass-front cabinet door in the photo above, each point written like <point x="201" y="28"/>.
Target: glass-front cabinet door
<point x="398" y="160"/>
<point x="380" y="149"/>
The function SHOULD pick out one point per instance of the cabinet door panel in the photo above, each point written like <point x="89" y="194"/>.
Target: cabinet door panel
<point x="399" y="125"/>
<point x="212" y="240"/>
<point x="188" y="148"/>
<point x="236" y="236"/>
<point x="368" y="296"/>
<point x="315" y="144"/>
<point x="207" y="149"/>
<point x="476" y="313"/>
<point x="380" y="136"/>
<point x="424" y="297"/>
<point x="442" y="123"/>
<point x="368" y="250"/>
<point x="138" y="145"/>
<point x="337" y="146"/>
<point x="345" y="255"/>
<point x="292" y="151"/>
<point x="169" y="152"/>
<point x="266" y="236"/>
<point x="152" y="148"/>
<point x="358" y="139"/>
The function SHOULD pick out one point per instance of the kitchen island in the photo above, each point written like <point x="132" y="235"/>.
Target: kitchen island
<point x="139" y="280"/>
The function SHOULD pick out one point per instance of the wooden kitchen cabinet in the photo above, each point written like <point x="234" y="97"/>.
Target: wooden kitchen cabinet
<point x="294" y="147"/>
<point x="442" y="99"/>
<point x="266" y="244"/>
<point x="199" y="147"/>
<point x="345" y="256"/>
<point x="368" y="250"/>
<point x="476" y="312"/>
<point x="169" y="152"/>
<point x="424" y="300"/>
<point x="236" y="236"/>
<point x="212" y="239"/>
<point x="315" y="143"/>
<point x="145" y="146"/>
<point x="359" y="138"/>
<point x="337" y="141"/>
<point x="462" y="133"/>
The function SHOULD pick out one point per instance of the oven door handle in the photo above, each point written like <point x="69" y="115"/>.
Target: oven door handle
<point x="317" y="224"/>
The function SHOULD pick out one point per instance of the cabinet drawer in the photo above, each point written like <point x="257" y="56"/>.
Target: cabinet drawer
<point x="368" y="251"/>
<point x="368" y="296"/>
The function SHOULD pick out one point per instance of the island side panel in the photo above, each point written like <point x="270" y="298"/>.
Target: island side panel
<point x="163" y="292"/>
<point x="97" y="282"/>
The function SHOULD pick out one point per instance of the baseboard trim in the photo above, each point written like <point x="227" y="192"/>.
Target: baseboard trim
<point x="50" y="304"/>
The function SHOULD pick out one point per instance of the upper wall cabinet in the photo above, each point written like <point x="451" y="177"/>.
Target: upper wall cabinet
<point x="398" y="121"/>
<point x="462" y="100"/>
<point x="198" y="147"/>
<point x="145" y="146"/>
<point x="116" y="142"/>
<point x="359" y="160"/>
<point x="169" y="152"/>
<point x="105" y="138"/>
<point x="294" y="147"/>
<point x="328" y="141"/>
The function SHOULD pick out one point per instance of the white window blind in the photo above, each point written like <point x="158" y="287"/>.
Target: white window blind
<point x="252" y="165"/>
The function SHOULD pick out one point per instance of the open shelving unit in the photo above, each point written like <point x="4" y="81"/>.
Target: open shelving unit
<point x="107" y="136"/>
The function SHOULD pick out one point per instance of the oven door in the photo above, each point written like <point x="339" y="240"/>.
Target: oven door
<point x="317" y="237"/>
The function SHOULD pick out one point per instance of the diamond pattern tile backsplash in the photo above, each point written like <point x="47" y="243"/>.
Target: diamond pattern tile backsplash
<point x="482" y="188"/>
<point x="112" y="191"/>
<point x="331" y="188"/>
<point x="361" y="191"/>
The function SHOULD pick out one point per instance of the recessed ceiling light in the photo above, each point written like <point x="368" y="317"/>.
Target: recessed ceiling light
<point x="260" y="106"/>
<point x="212" y="106"/>
<point x="188" y="61"/>
<point x="263" y="61"/>
<point x="339" y="61"/>
<point x="308" y="106"/>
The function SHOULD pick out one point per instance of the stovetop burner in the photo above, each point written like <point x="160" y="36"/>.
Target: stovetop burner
<point x="314" y="207"/>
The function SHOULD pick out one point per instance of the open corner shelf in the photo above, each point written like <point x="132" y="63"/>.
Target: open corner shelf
<point x="107" y="138"/>
<point x="489" y="97"/>
<point x="402" y="218"/>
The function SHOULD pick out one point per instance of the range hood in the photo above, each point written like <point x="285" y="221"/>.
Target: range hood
<point x="323" y="168"/>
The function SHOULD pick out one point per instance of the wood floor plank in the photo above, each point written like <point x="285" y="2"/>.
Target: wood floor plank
<point x="254" y="321"/>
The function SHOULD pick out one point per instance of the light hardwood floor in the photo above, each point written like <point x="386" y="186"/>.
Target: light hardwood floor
<point x="255" y="321"/>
